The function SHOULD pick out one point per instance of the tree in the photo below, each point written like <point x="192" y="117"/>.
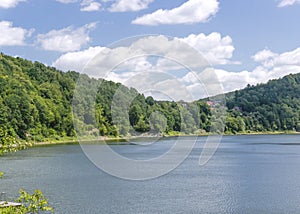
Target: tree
<point x="158" y="122"/>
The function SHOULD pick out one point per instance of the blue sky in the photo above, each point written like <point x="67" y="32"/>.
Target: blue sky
<point x="245" y="41"/>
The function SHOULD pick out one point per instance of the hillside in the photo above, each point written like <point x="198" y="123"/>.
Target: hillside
<point x="36" y="104"/>
<point x="34" y="99"/>
<point x="274" y="106"/>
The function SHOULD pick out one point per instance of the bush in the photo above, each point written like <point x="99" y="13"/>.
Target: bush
<point x="35" y="203"/>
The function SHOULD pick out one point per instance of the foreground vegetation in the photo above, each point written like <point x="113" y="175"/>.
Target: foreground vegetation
<point x="36" y="105"/>
<point x="35" y="203"/>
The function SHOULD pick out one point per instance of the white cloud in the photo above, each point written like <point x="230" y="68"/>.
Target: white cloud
<point x="202" y="84"/>
<point x="66" y="39"/>
<point x="115" y="5"/>
<point x="11" y="36"/>
<point x="86" y="5"/>
<point x="272" y="66"/>
<point x="9" y="3"/>
<point x="150" y="61"/>
<point x="67" y="1"/>
<point x="132" y="66"/>
<point x="196" y="84"/>
<point x="129" y="5"/>
<point x="192" y="11"/>
<point x="284" y="3"/>
<point x="264" y="55"/>
<point x="90" y="5"/>
<point x="171" y="54"/>
<point x="236" y="80"/>
<point x="215" y="48"/>
<point x="270" y="59"/>
<point x="76" y="61"/>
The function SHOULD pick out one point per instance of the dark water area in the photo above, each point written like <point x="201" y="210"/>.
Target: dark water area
<point x="247" y="174"/>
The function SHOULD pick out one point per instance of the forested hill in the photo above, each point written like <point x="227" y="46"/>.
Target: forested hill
<point x="36" y="104"/>
<point x="274" y="106"/>
<point x="34" y="99"/>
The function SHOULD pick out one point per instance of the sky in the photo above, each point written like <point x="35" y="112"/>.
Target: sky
<point x="245" y="42"/>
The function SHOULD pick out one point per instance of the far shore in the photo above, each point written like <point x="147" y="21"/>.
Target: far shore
<point x="123" y="140"/>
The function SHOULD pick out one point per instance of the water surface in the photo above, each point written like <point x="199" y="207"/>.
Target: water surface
<point x="248" y="174"/>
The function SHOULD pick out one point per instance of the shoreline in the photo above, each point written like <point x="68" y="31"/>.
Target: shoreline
<point x="122" y="140"/>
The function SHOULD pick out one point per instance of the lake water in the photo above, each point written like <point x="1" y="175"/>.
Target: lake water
<point x="248" y="174"/>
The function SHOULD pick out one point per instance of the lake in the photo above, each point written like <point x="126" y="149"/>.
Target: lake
<point x="247" y="174"/>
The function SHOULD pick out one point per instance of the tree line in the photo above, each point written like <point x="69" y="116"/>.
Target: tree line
<point x="36" y="103"/>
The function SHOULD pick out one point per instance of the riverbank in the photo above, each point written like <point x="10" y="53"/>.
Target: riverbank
<point x="99" y="140"/>
<point x="123" y="140"/>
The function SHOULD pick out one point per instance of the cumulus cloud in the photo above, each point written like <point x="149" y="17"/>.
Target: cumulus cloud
<point x="9" y="3"/>
<point x="86" y="5"/>
<point x="278" y="65"/>
<point x="172" y="51"/>
<point x="132" y="5"/>
<point x="11" y="36"/>
<point x="90" y="5"/>
<point x="164" y="65"/>
<point x="168" y="55"/>
<point x="66" y="39"/>
<point x="202" y="84"/>
<point x="192" y="11"/>
<point x="154" y="61"/>
<point x="215" y="48"/>
<point x="270" y="59"/>
<point x="75" y="61"/>
<point x="272" y="66"/>
<point x="264" y="56"/>
<point x="284" y="3"/>
<point x="236" y="80"/>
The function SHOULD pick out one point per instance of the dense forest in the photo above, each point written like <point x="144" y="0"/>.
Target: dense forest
<point x="274" y="106"/>
<point x="36" y="104"/>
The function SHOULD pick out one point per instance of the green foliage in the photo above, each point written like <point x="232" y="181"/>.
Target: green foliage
<point x="10" y="144"/>
<point x="36" y="104"/>
<point x="274" y="106"/>
<point x="158" y="122"/>
<point x="35" y="203"/>
<point x="235" y="125"/>
<point x="34" y="99"/>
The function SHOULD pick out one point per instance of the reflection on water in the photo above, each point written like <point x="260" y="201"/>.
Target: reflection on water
<point x="248" y="174"/>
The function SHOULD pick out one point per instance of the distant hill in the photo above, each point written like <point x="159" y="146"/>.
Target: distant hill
<point x="36" y="104"/>
<point x="274" y="106"/>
